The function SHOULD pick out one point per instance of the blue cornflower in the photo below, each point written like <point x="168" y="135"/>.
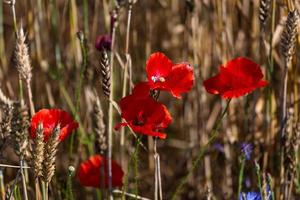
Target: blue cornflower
<point x="250" y="196"/>
<point x="247" y="150"/>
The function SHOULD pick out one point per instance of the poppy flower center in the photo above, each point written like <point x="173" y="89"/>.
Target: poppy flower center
<point x="158" y="79"/>
<point x="140" y="120"/>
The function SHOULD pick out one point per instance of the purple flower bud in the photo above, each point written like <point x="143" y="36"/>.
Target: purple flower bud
<point x="219" y="147"/>
<point x="247" y="150"/>
<point x="103" y="42"/>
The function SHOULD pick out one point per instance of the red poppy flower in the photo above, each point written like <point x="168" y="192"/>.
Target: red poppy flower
<point x="164" y="75"/>
<point x="89" y="173"/>
<point x="50" y="118"/>
<point x="143" y="114"/>
<point x="237" y="77"/>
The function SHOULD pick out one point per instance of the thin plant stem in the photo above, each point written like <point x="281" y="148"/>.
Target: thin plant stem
<point x="270" y="181"/>
<point x="128" y="27"/>
<point x="46" y="191"/>
<point x="283" y="125"/>
<point x="13" y="10"/>
<point x="17" y="193"/>
<point x="214" y="133"/>
<point x="241" y="175"/>
<point x="111" y="113"/>
<point x="86" y="16"/>
<point x="257" y="168"/>
<point x="81" y="38"/>
<point x="102" y="180"/>
<point x="37" y="189"/>
<point x="269" y="75"/>
<point x="130" y="195"/>
<point x="14" y="166"/>
<point x="70" y="195"/>
<point x="2" y="187"/>
<point x="14" y="183"/>
<point x="132" y="159"/>
<point x="23" y="180"/>
<point x="136" y="166"/>
<point x="124" y="90"/>
<point x="158" y="185"/>
<point x="30" y="99"/>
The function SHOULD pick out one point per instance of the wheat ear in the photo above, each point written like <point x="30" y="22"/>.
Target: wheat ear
<point x="24" y="66"/>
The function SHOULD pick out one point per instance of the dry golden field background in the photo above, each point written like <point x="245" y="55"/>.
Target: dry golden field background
<point x="66" y="74"/>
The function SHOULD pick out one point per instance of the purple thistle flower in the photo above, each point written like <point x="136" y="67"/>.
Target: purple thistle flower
<point x="247" y="150"/>
<point x="103" y="42"/>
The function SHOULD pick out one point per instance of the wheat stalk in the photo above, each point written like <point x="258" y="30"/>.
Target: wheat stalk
<point x="288" y="38"/>
<point x="99" y="126"/>
<point x="38" y="151"/>
<point x="264" y="12"/>
<point x="115" y="15"/>
<point x="290" y="161"/>
<point x="49" y="159"/>
<point x="50" y="155"/>
<point x="20" y="124"/>
<point x="5" y="125"/>
<point x="24" y="66"/>
<point x="105" y="72"/>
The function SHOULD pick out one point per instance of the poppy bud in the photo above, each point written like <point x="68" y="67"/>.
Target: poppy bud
<point x="103" y="42"/>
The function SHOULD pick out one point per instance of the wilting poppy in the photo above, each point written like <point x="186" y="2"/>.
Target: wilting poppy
<point x="103" y="42"/>
<point x="164" y="75"/>
<point x="237" y="77"/>
<point x="143" y="114"/>
<point x="50" y="118"/>
<point x="94" y="172"/>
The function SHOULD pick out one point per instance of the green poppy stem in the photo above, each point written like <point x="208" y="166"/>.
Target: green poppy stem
<point x="214" y="133"/>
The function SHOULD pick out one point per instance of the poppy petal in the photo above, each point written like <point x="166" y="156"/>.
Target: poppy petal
<point x="147" y="131"/>
<point x="144" y="115"/>
<point x="50" y="118"/>
<point x="237" y="77"/>
<point x="141" y="90"/>
<point x="89" y="172"/>
<point x="158" y="67"/>
<point x="181" y="79"/>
